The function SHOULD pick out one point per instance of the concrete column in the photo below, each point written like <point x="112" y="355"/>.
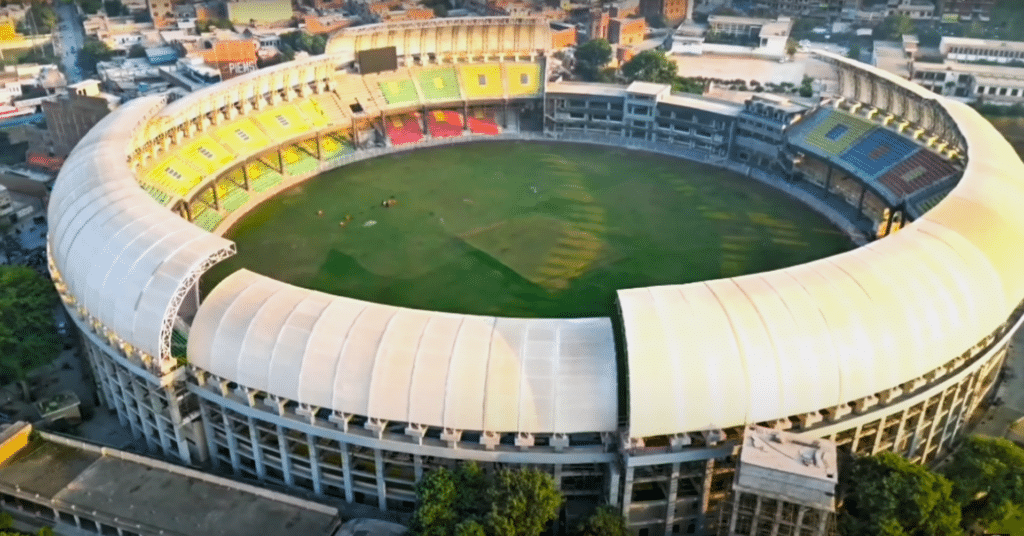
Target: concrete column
<point x="709" y="472"/>
<point x="417" y="465"/>
<point x="286" y="461"/>
<point x="209" y="433"/>
<point x="229" y="434"/>
<point x="161" y="431"/>
<point x="932" y="426"/>
<point x="627" y="492"/>
<point x="257" y="449"/>
<point x="346" y="470"/>
<point x="378" y="463"/>
<point x="314" y="463"/>
<point x="673" y="490"/>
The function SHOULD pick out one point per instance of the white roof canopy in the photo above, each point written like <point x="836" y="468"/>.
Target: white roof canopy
<point x="122" y="256"/>
<point x="766" y="346"/>
<point x="437" y="369"/>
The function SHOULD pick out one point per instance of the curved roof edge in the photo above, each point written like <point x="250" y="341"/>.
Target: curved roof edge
<point x="140" y="256"/>
<point x="828" y="332"/>
<point x="405" y="365"/>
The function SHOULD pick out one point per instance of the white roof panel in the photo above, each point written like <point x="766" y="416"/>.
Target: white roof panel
<point x="404" y="365"/>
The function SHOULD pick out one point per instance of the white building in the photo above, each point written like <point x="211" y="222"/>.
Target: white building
<point x="727" y="35"/>
<point x="991" y="50"/>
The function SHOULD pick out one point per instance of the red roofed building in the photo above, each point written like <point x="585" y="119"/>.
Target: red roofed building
<point x="232" y="58"/>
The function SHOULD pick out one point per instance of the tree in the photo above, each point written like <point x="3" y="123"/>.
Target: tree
<point x="92" y="52"/>
<point x="114" y="8"/>
<point x="854" y="52"/>
<point x="91" y="7"/>
<point x="791" y="47"/>
<point x="522" y="503"/>
<point x="591" y="56"/>
<point x="605" y="521"/>
<point x="892" y="496"/>
<point x="137" y="51"/>
<point x="988" y="480"/>
<point x="312" y="43"/>
<point x="894" y="27"/>
<point x="656" y="21"/>
<point x="468" y="502"/>
<point x="28" y="336"/>
<point x="650" y="66"/>
<point x="39" y="19"/>
<point x="806" y="89"/>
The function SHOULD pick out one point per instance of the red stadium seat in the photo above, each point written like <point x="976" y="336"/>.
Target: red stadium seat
<point x="444" y="123"/>
<point x="404" y="128"/>
<point x="482" y="122"/>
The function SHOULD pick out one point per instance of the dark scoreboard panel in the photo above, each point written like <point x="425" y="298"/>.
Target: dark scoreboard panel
<point x="376" y="60"/>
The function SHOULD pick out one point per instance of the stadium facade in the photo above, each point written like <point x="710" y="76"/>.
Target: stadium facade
<point x="889" y="347"/>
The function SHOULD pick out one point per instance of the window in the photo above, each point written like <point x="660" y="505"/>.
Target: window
<point x="482" y="79"/>
<point x="206" y="152"/>
<point x="174" y="173"/>
<point x="242" y="135"/>
<point x="282" y="120"/>
<point x="524" y="79"/>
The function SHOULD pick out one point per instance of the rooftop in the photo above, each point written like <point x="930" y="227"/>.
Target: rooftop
<point x="791" y="453"/>
<point x="154" y="495"/>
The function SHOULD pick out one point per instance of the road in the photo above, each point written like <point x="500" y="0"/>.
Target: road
<point x="68" y="38"/>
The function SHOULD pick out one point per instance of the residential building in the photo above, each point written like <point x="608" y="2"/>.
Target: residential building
<point x="626" y="31"/>
<point x="673" y="11"/>
<point x="562" y="35"/>
<point x="161" y="12"/>
<point x="6" y="205"/>
<point x="232" y="57"/>
<point x="915" y="9"/>
<point x="990" y="50"/>
<point x="805" y="8"/>
<point x="70" y="115"/>
<point x="260" y="12"/>
<point x="980" y="10"/>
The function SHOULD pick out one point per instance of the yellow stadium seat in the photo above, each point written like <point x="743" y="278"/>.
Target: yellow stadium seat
<point x="206" y="154"/>
<point x="523" y="78"/>
<point x="174" y="176"/>
<point x="283" y="122"/>
<point x="482" y="81"/>
<point x="242" y="137"/>
<point x="313" y="114"/>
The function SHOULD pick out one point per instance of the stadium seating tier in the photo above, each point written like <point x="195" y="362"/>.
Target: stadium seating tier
<point x="482" y="81"/>
<point x="439" y="85"/>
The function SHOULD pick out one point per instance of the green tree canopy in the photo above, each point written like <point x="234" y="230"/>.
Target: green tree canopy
<point x="28" y="336"/>
<point x="791" y="47"/>
<point x="115" y="8"/>
<point x="468" y="502"/>
<point x="890" y="496"/>
<point x="854" y="52"/>
<point x="91" y="7"/>
<point x="311" y="43"/>
<point x="39" y="19"/>
<point x="137" y="51"/>
<point x="605" y="521"/>
<point x="894" y="27"/>
<point x="591" y="56"/>
<point x="92" y="52"/>
<point x="650" y="66"/>
<point x="988" y="480"/>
